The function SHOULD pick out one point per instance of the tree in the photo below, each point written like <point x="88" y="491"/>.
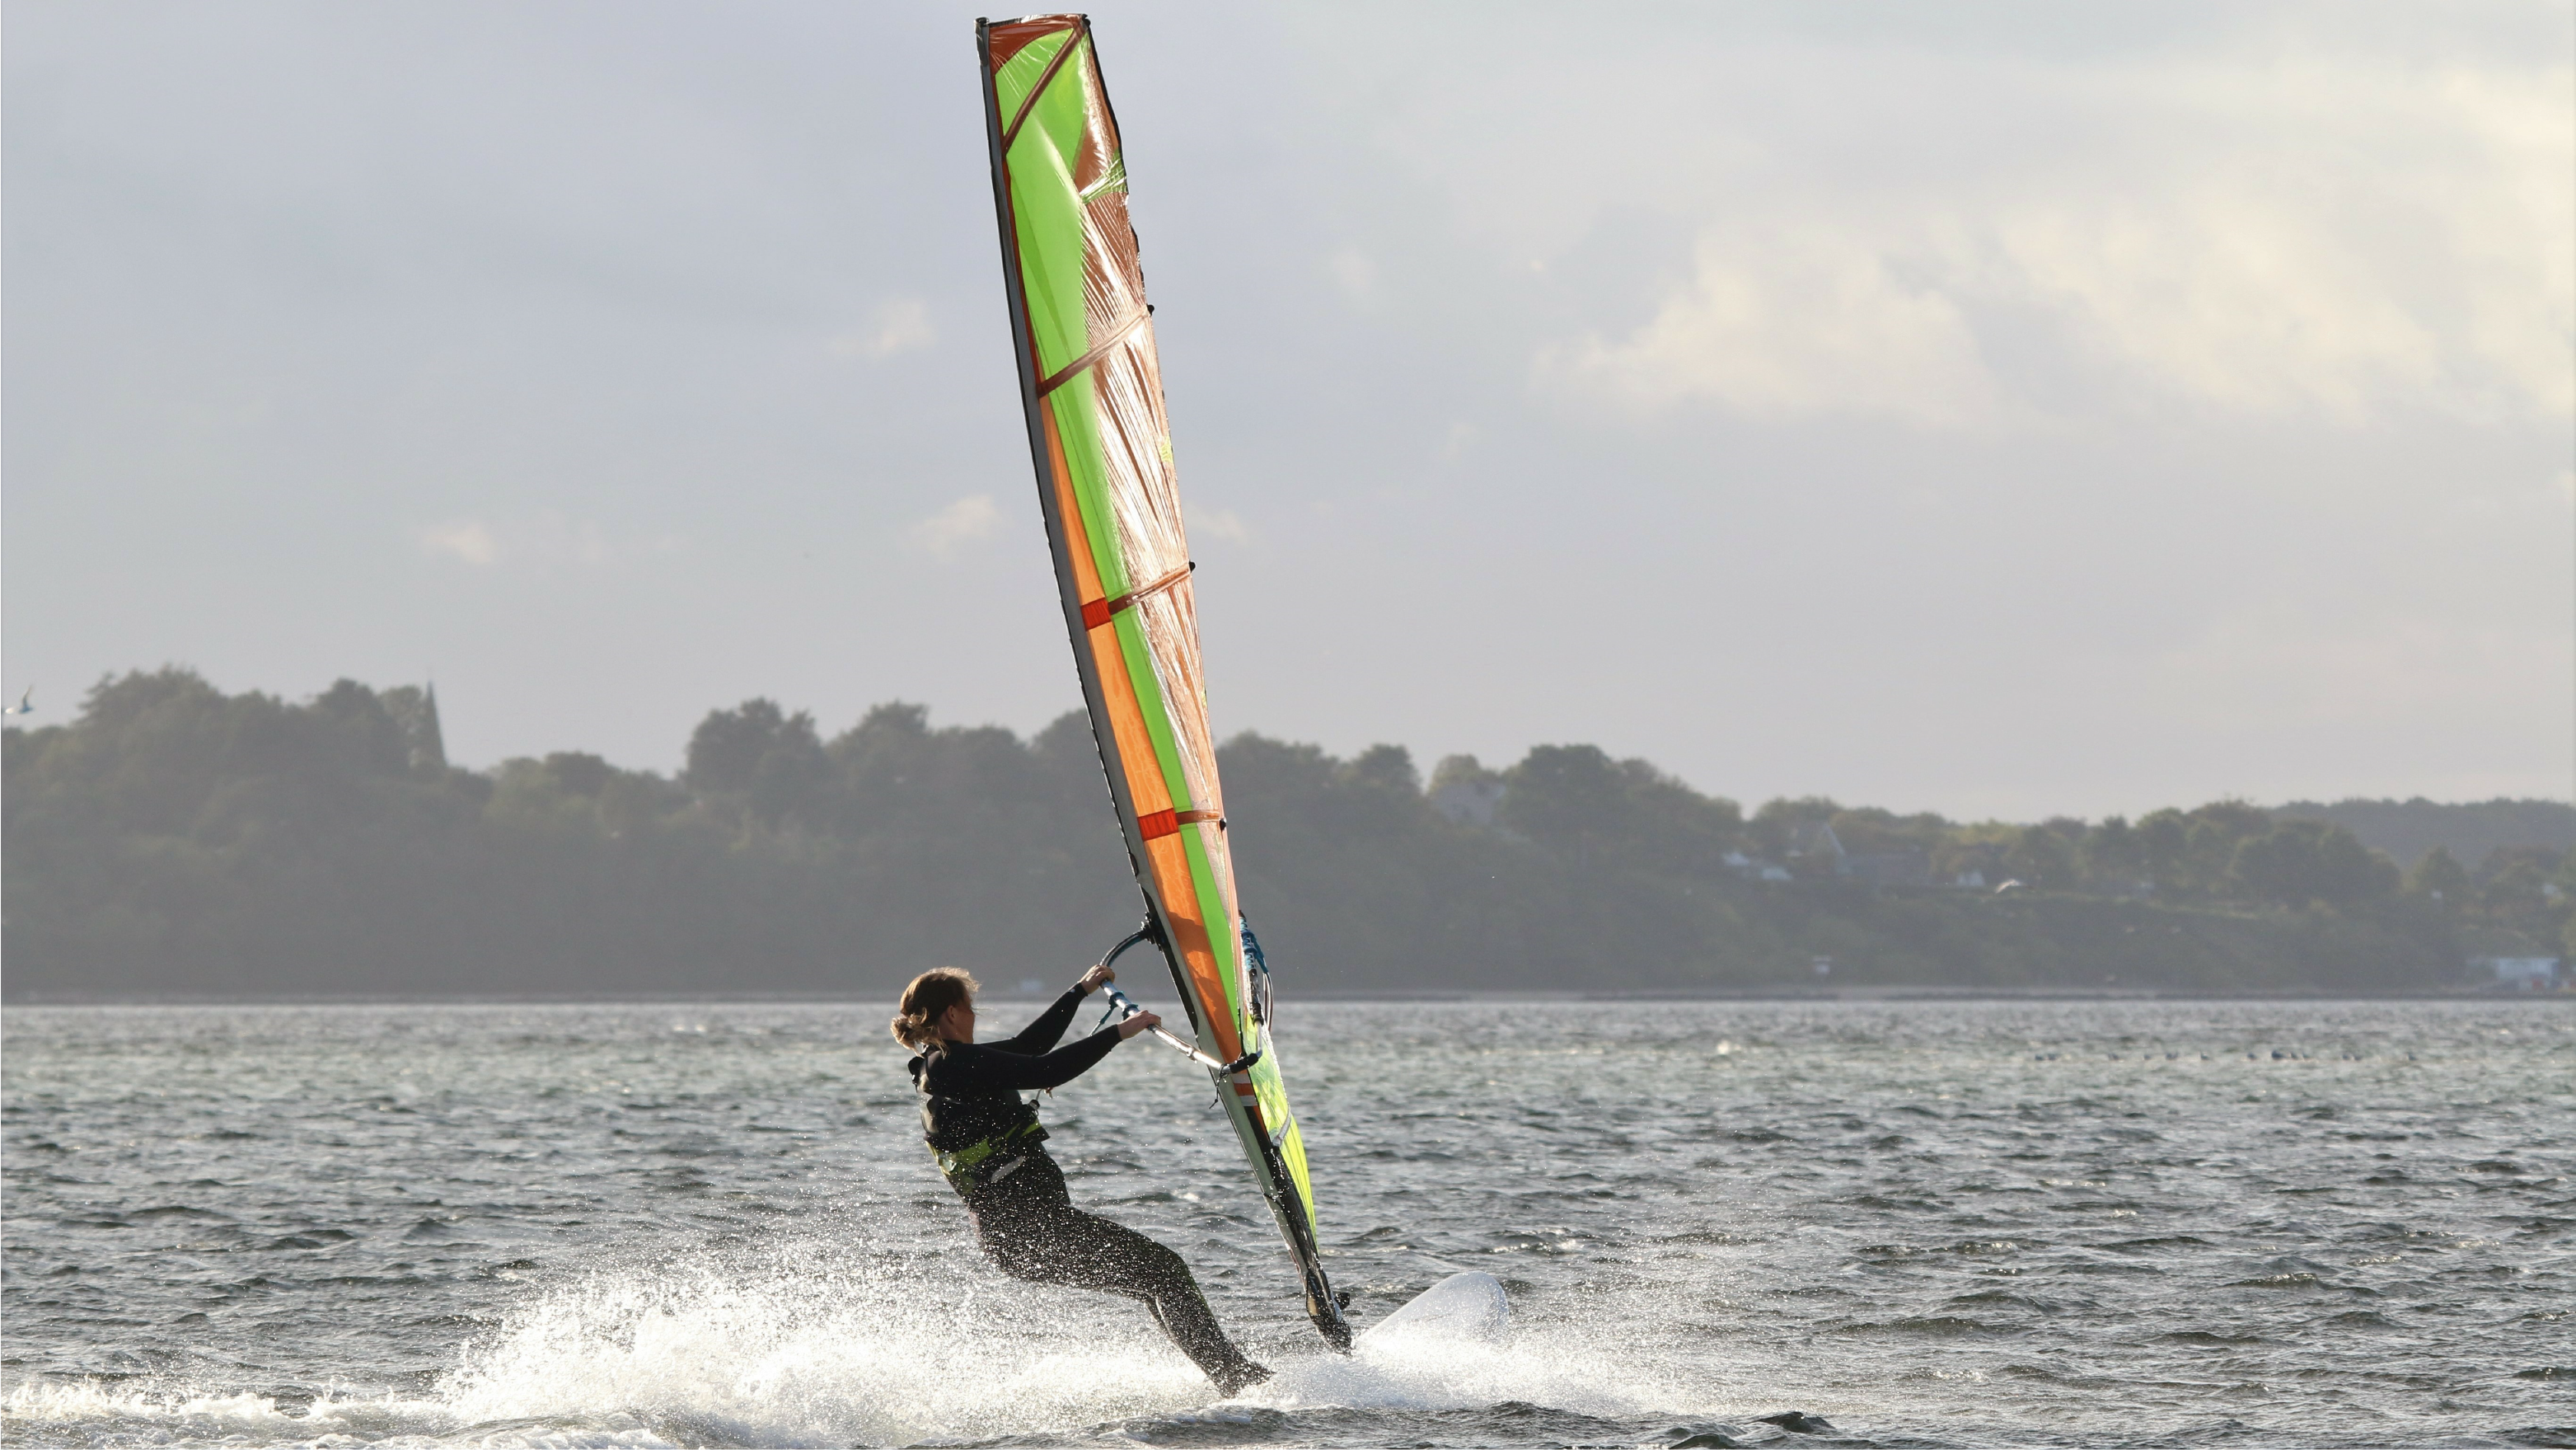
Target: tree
<point x="2298" y="862"/>
<point x="363" y="725"/>
<point x="1566" y="795"/>
<point x="579" y="772"/>
<point x="2163" y="848"/>
<point x="2189" y="853"/>
<point x="772" y="759"/>
<point x="1783" y="828"/>
<point x="2442" y="881"/>
<point x="2514" y="887"/>
<point x="2041" y="856"/>
<point x="2113" y="851"/>
<point x="1579" y="802"/>
<point x="1388" y="768"/>
<point x="1868" y="830"/>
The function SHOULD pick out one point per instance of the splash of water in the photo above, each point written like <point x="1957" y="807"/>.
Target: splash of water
<point x="795" y="1353"/>
<point x="881" y="1355"/>
<point x="801" y="1349"/>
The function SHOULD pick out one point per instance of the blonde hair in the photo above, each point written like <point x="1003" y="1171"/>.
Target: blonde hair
<point x="927" y="1000"/>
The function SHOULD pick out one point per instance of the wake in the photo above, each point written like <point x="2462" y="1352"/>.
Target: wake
<point x="799" y="1351"/>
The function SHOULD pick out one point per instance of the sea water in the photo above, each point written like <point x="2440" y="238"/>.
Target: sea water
<point x="2100" y="1223"/>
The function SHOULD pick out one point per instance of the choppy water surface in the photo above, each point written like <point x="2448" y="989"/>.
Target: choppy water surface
<point x="1972" y="1224"/>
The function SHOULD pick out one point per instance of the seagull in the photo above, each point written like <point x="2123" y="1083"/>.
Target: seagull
<point x="26" y="704"/>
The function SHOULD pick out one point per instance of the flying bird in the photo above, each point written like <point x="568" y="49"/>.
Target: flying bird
<point x="26" y="704"/>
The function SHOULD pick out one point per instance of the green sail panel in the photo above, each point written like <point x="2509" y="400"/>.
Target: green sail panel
<point x="1092" y="391"/>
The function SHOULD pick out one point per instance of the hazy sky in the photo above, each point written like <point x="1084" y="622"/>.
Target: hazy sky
<point x="1992" y="408"/>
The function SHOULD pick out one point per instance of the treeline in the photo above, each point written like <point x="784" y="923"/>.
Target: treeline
<point x="2226" y="852"/>
<point x="2408" y="830"/>
<point x="179" y="840"/>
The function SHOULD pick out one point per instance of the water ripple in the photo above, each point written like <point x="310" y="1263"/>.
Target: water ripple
<point x="2148" y="1224"/>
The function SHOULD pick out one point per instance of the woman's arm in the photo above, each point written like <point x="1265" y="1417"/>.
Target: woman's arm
<point x="965" y="1069"/>
<point x="1040" y="1035"/>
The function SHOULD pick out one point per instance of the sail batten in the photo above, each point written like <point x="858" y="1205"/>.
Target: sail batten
<point x="1091" y="387"/>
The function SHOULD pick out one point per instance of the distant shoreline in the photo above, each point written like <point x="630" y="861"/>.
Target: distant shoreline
<point x="173" y="843"/>
<point x="1858" y="995"/>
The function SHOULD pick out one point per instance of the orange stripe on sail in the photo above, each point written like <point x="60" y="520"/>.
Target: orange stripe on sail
<point x="1086" y="574"/>
<point x="1171" y="867"/>
<point x="1127" y="734"/>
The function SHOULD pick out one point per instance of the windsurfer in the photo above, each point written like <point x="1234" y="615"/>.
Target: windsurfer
<point x="991" y="1148"/>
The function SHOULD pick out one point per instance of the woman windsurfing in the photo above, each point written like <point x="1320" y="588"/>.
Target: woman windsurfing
<point x="990" y="1146"/>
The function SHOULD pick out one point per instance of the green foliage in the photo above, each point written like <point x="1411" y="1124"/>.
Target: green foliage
<point x="1868" y="830"/>
<point x="1578" y="802"/>
<point x="2405" y="830"/>
<point x="2114" y="852"/>
<point x="1782" y="829"/>
<point x="772" y="760"/>
<point x="2525" y="890"/>
<point x="1388" y="768"/>
<point x="2044" y="856"/>
<point x="2297" y="863"/>
<point x="177" y="839"/>
<point x="2442" y="882"/>
<point x="2189" y="854"/>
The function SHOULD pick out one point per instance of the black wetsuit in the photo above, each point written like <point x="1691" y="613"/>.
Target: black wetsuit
<point x="990" y="1146"/>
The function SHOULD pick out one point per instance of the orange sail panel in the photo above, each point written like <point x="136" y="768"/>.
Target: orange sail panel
<point x="1092" y="390"/>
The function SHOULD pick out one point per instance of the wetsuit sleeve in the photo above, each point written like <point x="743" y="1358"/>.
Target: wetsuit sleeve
<point x="964" y="1070"/>
<point x="1040" y="1035"/>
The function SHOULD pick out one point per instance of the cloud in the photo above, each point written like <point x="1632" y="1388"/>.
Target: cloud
<point x="969" y="520"/>
<point x="1215" y="523"/>
<point x="2253" y="219"/>
<point x="468" y="541"/>
<point x="2375" y="238"/>
<point x="1792" y="323"/>
<point x="901" y="326"/>
<point x="544" y="539"/>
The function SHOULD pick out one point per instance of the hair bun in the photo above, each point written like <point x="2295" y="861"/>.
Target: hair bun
<point x="926" y="999"/>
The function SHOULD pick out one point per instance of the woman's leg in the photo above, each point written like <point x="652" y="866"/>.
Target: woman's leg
<point x="1042" y="1237"/>
<point x="1095" y="1253"/>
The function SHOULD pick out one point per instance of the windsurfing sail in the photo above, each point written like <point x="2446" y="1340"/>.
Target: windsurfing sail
<point x="1093" y="393"/>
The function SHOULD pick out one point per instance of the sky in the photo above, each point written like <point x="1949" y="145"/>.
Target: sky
<point x="1999" y="409"/>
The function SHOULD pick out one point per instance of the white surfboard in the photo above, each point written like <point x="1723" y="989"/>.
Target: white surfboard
<point x="1470" y="1307"/>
